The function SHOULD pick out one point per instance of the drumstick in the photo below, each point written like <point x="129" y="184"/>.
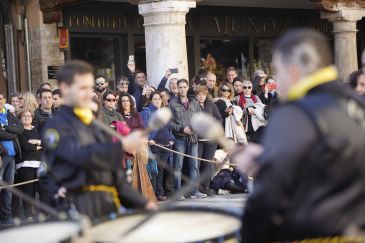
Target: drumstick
<point x="42" y="206"/>
<point x="206" y="127"/>
<point x="190" y="184"/>
<point x="185" y="189"/>
<point x="171" y="170"/>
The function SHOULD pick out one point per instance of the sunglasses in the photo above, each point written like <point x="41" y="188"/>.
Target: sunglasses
<point x="247" y="87"/>
<point x="226" y="90"/>
<point x="111" y="100"/>
<point x="101" y="83"/>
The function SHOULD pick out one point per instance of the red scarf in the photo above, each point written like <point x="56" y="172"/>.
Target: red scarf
<point x="242" y="101"/>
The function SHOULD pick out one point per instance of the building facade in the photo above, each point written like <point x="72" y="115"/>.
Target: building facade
<point x="183" y="34"/>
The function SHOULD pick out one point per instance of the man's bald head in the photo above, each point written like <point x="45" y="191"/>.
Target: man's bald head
<point x="297" y="54"/>
<point x="306" y="48"/>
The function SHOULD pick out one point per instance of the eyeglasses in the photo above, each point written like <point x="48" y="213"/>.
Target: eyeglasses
<point x="247" y="87"/>
<point x="226" y="90"/>
<point x="111" y="100"/>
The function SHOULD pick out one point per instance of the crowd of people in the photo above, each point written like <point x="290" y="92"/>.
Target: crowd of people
<point x="243" y="107"/>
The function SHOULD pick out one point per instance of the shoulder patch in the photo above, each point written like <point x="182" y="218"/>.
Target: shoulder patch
<point x="52" y="137"/>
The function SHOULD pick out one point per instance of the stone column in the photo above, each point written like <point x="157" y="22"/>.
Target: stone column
<point x="164" y="23"/>
<point x="345" y="48"/>
<point x="44" y="49"/>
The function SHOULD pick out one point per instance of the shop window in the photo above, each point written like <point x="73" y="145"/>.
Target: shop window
<point x="98" y="51"/>
<point x="217" y="55"/>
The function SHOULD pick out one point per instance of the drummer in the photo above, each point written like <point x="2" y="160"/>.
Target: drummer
<point x="83" y="160"/>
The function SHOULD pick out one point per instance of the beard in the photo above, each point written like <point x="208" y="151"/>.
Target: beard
<point x="100" y="89"/>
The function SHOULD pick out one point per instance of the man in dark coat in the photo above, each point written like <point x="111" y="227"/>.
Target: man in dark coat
<point x="44" y="112"/>
<point x="81" y="157"/>
<point x="10" y="128"/>
<point x="310" y="170"/>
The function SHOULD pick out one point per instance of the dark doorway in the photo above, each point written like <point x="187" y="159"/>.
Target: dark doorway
<point x="220" y="54"/>
<point x="106" y="53"/>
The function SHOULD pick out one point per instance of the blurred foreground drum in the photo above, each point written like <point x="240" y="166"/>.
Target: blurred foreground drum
<point x="48" y="232"/>
<point x="177" y="225"/>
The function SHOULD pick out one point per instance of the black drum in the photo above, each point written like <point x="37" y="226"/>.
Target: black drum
<point x="175" y="225"/>
<point x="47" y="232"/>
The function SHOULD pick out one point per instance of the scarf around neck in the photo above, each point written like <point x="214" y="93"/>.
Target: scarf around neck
<point x="243" y="101"/>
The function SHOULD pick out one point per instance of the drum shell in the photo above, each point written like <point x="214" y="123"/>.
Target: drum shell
<point x="105" y="231"/>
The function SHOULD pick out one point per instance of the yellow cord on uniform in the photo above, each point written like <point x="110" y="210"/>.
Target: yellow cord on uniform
<point x="105" y="188"/>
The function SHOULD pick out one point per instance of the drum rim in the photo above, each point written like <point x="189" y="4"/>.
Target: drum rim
<point x="176" y="208"/>
<point x="46" y="221"/>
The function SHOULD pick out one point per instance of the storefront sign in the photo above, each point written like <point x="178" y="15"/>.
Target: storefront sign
<point x="52" y="70"/>
<point x="63" y="37"/>
<point x="263" y="26"/>
<point x="97" y="22"/>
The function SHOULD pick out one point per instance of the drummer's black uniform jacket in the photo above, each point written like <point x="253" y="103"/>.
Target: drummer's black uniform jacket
<point x="79" y="155"/>
<point x="312" y="172"/>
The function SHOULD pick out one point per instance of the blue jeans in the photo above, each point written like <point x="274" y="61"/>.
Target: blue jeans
<point x="182" y="146"/>
<point x="7" y="175"/>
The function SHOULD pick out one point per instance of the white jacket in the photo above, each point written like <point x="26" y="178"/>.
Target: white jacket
<point x="257" y="118"/>
<point x="234" y="128"/>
